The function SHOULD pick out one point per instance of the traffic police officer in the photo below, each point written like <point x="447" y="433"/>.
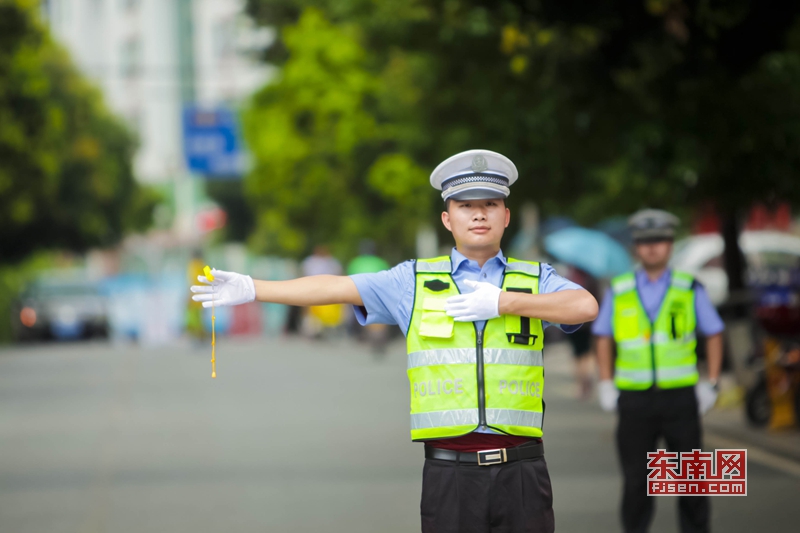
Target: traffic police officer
<point x="652" y="317"/>
<point x="474" y="322"/>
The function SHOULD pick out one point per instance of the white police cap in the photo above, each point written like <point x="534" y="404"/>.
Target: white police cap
<point x="653" y="225"/>
<point x="474" y="175"/>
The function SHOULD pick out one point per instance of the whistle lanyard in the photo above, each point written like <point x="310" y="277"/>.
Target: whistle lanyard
<point x="213" y="342"/>
<point x="210" y="277"/>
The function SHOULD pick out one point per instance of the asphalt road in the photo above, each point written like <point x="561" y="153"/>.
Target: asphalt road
<point x="292" y="436"/>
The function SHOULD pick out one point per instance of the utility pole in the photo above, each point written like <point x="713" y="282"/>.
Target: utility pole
<point x="184" y="183"/>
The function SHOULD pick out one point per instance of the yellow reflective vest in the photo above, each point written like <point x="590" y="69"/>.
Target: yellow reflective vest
<point x="462" y="378"/>
<point x="660" y="352"/>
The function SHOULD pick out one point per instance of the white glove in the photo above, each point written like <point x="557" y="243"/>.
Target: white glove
<point x="706" y="396"/>
<point x="228" y="288"/>
<point x="481" y="304"/>
<point x="608" y="395"/>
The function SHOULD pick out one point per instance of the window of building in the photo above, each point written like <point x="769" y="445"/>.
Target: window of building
<point x="129" y="5"/>
<point x="224" y="38"/>
<point x="131" y="57"/>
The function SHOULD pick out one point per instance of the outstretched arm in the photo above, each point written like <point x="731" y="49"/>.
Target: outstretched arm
<point x="310" y="290"/>
<point x="231" y="288"/>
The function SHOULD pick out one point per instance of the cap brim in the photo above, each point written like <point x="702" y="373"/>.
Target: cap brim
<point x="653" y="235"/>
<point x="476" y="192"/>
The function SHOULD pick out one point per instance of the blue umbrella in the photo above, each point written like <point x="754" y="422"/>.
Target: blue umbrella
<point x="590" y="250"/>
<point x="553" y="224"/>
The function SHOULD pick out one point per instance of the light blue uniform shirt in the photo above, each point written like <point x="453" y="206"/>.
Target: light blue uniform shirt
<point x="652" y="294"/>
<point x="388" y="296"/>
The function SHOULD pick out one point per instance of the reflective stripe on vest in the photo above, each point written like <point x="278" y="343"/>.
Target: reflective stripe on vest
<point x="461" y="356"/>
<point x="531" y="269"/>
<point x="469" y="417"/>
<point x="433" y="266"/>
<point x="662" y="351"/>
<point x="451" y="376"/>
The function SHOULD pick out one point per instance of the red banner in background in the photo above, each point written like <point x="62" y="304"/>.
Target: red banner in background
<point x="760" y="217"/>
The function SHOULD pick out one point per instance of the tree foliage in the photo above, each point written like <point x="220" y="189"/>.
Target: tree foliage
<point x="65" y="162"/>
<point x="326" y="169"/>
<point x="605" y="106"/>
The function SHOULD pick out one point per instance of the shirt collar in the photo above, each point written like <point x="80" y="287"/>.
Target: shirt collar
<point x="457" y="259"/>
<point x="642" y="278"/>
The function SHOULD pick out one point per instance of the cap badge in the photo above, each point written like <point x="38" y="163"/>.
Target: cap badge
<point x="479" y="164"/>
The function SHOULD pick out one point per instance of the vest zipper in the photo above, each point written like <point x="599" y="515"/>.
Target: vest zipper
<point x="653" y="352"/>
<point x="652" y="332"/>
<point x="481" y="388"/>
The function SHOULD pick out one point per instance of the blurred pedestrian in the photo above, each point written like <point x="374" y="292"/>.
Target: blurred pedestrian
<point x="474" y="322"/>
<point x="316" y="319"/>
<point x="652" y="317"/>
<point x="367" y="262"/>
<point x="194" y="310"/>
<point x="321" y="263"/>
<point x="581" y="340"/>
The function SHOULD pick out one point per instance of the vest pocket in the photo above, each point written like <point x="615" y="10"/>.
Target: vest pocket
<point x="518" y="328"/>
<point x="434" y="321"/>
<point x="677" y="315"/>
<point x="626" y="325"/>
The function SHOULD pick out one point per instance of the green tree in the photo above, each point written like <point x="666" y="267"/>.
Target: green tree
<point x="65" y="162"/>
<point x="605" y="106"/>
<point x="325" y="170"/>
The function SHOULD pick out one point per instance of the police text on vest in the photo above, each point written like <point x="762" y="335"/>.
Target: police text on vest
<point x="521" y="387"/>
<point x="440" y="386"/>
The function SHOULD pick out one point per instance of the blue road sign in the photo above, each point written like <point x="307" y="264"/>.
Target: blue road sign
<point x="211" y="142"/>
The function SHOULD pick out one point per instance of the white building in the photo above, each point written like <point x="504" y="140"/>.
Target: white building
<point x="153" y="57"/>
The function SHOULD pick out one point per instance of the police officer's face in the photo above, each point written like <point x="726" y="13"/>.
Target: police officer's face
<point x="654" y="254"/>
<point x="477" y="223"/>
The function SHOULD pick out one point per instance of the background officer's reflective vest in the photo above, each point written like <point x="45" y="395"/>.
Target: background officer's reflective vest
<point x="662" y="351"/>
<point x="461" y="377"/>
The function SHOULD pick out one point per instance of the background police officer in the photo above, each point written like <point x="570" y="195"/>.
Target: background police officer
<point x="651" y="317"/>
<point x="474" y="323"/>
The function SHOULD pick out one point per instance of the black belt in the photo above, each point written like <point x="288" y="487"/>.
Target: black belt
<point x="488" y="457"/>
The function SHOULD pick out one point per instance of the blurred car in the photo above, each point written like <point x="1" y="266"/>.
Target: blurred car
<point x="701" y="255"/>
<point x="61" y="311"/>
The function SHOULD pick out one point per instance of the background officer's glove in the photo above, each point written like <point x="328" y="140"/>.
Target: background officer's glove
<point x="608" y="395"/>
<point x="228" y="288"/>
<point x="481" y="304"/>
<point x="706" y="396"/>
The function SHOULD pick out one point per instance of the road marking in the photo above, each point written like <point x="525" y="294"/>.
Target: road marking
<point x="757" y="454"/>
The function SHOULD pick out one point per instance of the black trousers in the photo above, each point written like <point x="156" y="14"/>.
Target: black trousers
<point x="508" y="498"/>
<point x="645" y="417"/>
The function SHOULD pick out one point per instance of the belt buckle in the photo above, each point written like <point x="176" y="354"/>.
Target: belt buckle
<point x="492" y="457"/>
